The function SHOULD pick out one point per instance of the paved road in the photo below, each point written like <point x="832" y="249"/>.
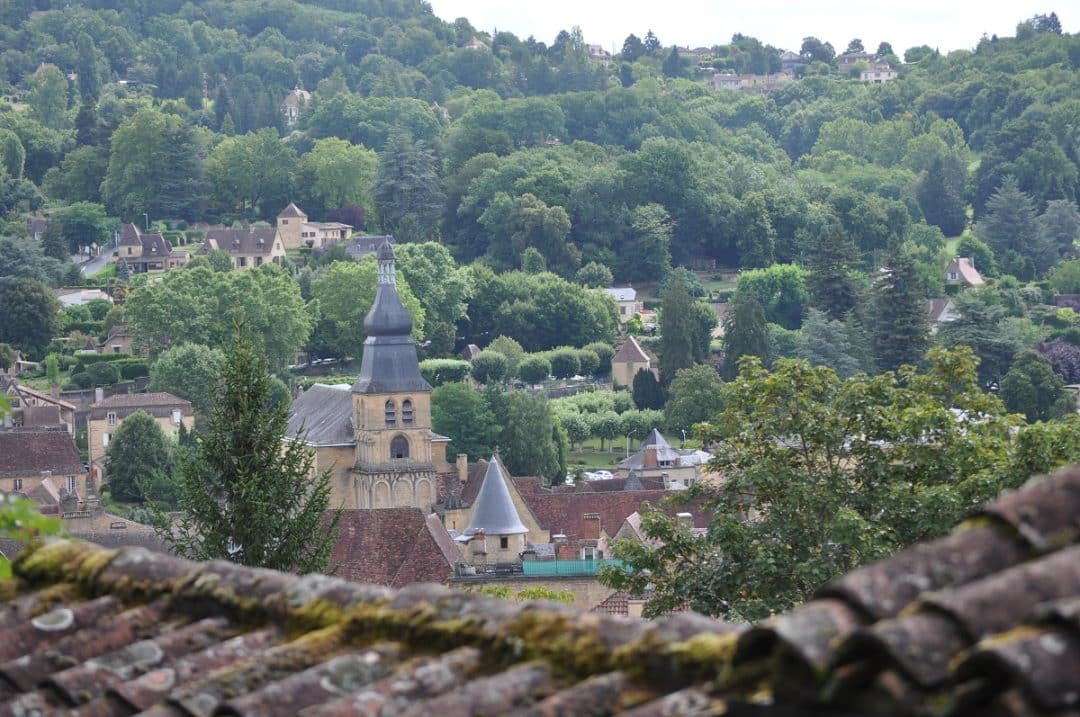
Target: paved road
<point x="96" y="264"/>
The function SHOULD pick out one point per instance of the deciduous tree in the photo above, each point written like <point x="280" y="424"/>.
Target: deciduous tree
<point x="141" y="461"/>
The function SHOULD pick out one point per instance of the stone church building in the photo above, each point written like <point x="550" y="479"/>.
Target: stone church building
<point x="376" y="436"/>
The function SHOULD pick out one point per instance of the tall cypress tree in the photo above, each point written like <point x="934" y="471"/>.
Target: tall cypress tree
<point x="246" y="495"/>
<point x="676" y="329"/>
<point x="745" y="333"/>
<point x="899" y="315"/>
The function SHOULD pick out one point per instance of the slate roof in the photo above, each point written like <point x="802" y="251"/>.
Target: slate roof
<point x="325" y="413"/>
<point x="27" y="453"/>
<point x="630" y="352"/>
<point x="153" y="244"/>
<point x="394" y="547"/>
<point x="626" y="293"/>
<point x="493" y="510"/>
<point x="982" y="621"/>
<point x="240" y="241"/>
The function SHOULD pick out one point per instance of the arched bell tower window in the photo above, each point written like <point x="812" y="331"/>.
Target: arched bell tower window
<point x="406" y="412"/>
<point x="399" y="448"/>
<point x="391" y="413"/>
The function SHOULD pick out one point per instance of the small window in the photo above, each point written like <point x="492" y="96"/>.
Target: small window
<point x="284" y="221"/>
<point x="17" y="484"/>
<point x="391" y="413"/>
<point x="242" y="262"/>
<point x="116" y="348"/>
<point x="176" y="418"/>
<point x="504" y="542"/>
<point x="111" y="418"/>
<point x="399" y="448"/>
<point x="105" y="439"/>
<point x="588" y="553"/>
<point x="258" y="261"/>
<point x="406" y="412"/>
<point x="71" y="483"/>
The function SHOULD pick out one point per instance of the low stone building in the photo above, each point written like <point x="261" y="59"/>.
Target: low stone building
<point x="107" y="414"/>
<point x="147" y="252"/>
<point x="627" y="361"/>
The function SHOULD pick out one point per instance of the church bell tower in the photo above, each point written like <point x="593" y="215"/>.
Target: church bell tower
<point x="397" y="455"/>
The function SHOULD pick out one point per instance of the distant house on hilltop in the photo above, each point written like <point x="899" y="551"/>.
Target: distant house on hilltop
<point x="247" y="247"/>
<point x="148" y="252"/>
<point x="626" y="299"/>
<point x="293" y="104"/>
<point x="961" y="272"/>
<point x="295" y="230"/>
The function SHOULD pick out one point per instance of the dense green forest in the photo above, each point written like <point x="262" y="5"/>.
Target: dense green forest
<point x="171" y="109"/>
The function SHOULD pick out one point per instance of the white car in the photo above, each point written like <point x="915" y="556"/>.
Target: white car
<point x="599" y="475"/>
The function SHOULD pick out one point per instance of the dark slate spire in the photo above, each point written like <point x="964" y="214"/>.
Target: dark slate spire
<point x="493" y="510"/>
<point x="389" y="363"/>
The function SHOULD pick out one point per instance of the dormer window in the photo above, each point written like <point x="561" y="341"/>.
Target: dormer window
<point x="406" y="412"/>
<point x="391" y="414"/>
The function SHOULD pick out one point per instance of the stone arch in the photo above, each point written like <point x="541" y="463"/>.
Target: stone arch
<point x="424" y="495"/>
<point x="399" y="447"/>
<point x="381" y="495"/>
<point x="403" y="493"/>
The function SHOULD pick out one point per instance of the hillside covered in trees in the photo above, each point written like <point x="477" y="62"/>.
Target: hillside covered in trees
<point x="497" y="144"/>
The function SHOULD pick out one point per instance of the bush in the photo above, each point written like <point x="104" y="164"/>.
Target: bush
<point x="88" y="359"/>
<point x="82" y="379"/>
<point x="135" y="369"/>
<point x="604" y="352"/>
<point x="103" y="373"/>
<point x="440" y="371"/>
<point x="564" y="363"/>
<point x="534" y="369"/>
<point x="588" y="362"/>
<point x="489" y="367"/>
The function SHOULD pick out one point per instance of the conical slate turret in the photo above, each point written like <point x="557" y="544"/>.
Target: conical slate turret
<point x="493" y="510"/>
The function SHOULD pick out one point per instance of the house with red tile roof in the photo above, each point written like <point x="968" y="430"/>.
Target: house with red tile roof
<point x="30" y="458"/>
<point x="629" y="358"/>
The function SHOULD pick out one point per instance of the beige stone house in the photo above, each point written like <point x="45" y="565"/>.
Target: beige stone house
<point x="32" y="459"/>
<point x="107" y="414"/>
<point x="293" y="104"/>
<point x="147" y="252"/>
<point x="625" y="298"/>
<point x="33" y="408"/>
<point x="627" y="361"/>
<point x="376" y="435"/>
<point x="295" y="230"/>
<point x="247" y="247"/>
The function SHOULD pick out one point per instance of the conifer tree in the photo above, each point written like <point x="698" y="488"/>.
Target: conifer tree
<point x="746" y="332"/>
<point x="899" y="315"/>
<point x="647" y="391"/>
<point x="829" y="280"/>
<point x="246" y="495"/>
<point x="676" y="329"/>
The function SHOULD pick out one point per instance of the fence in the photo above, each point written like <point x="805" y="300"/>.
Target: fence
<point x="566" y="567"/>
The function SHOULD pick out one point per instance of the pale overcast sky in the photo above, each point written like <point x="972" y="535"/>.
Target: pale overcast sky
<point x="944" y="24"/>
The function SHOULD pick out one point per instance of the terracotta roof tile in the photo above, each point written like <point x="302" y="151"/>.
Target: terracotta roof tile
<point x="630" y="352"/>
<point x="115" y="632"/>
<point x="392" y="546"/>
<point x="141" y="400"/>
<point x="30" y="453"/>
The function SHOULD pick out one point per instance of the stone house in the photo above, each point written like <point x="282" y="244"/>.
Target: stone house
<point x="147" y="252"/>
<point x="295" y="230"/>
<point x="677" y="468"/>
<point x="961" y="271"/>
<point x="29" y="458"/>
<point x="247" y="247"/>
<point x="31" y="408"/>
<point x="293" y="104"/>
<point x="119" y="341"/>
<point x="107" y="414"/>
<point x="626" y="299"/>
<point x="627" y="361"/>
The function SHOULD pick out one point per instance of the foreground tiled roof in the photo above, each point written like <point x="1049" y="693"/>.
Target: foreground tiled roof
<point x="981" y="622"/>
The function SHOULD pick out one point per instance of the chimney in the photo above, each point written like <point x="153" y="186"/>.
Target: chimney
<point x="650" y="457"/>
<point x="462" y="467"/>
<point x="591" y="522"/>
<point x="54" y="390"/>
<point x="99" y="394"/>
